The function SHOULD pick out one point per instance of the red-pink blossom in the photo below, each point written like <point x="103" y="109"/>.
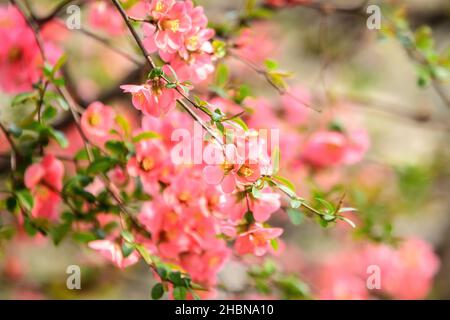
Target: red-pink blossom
<point x="171" y="27"/>
<point x="152" y="98"/>
<point x="98" y="121"/>
<point x="44" y="179"/>
<point x="256" y="240"/>
<point x="104" y="16"/>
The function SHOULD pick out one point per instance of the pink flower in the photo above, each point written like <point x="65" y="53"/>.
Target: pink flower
<point x="152" y="98"/>
<point x="104" y="16"/>
<point x="112" y="251"/>
<point x="44" y="179"/>
<point x="97" y="121"/>
<point x="149" y="31"/>
<point x="151" y="164"/>
<point x="20" y="57"/>
<point x="256" y="240"/>
<point x="255" y="44"/>
<point x="358" y="144"/>
<point x="407" y="271"/>
<point x="325" y="148"/>
<point x="203" y="267"/>
<point x="159" y="8"/>
<point x="196" y="69"/>
<point x="171" y="27"/>
<point x="266" y="204"/>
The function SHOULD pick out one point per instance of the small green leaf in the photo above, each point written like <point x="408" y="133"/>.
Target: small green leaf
<point x="127" y="249"/>
<point x="26" y="199"/>
<point x="157" y="291"/>
<point x="22" y="98"/>
<point x="49" y="113"/>
<point x="124" y="125"/>
<point x="59" y="137"/>
<point x="146" y="135"/>
<point x="274" y="243"/>
<point x="222" y="75"/>
<point x="128" y="236"/>
<point x="330" y="208"/>
<point x="179" y="293"/>
<point x="84" y="237"/>
<point x="271" y="64"/>
<point x="295" y="216"/>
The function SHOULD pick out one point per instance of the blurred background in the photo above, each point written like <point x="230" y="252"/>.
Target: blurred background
<point x="401" y="188"/>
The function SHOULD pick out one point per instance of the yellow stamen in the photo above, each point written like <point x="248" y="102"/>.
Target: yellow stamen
<point x="245" y="171"/>
<point x="147" y="164"/>
<point x="172" y="25"/>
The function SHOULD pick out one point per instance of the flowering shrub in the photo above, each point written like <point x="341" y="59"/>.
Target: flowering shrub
<point x="138" y="189"/>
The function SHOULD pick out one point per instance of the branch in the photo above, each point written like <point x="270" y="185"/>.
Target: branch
<point x="153" y="66"/>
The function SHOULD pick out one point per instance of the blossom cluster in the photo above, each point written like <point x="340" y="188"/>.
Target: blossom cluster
<point x="404" y="271"/>
<point x="20" y="57"/>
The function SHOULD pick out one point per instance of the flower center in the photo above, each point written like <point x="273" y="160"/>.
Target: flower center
<point x="159" y="6"/>
<point x="227" y="167"/>
<point x="245" y="171"/>
<point x="192" y="42"/>
<point x="184" y="196"/>
<point x="172" y="25"/>
<point x="15" y="54"/>
<point x="147" y="164"/>
<point x="94" y="119"/>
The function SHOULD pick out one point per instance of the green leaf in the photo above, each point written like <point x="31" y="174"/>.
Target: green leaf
<point x="117" y="148"/>
<point x="22" y="98"/>
<point x="84" y="237"/>
<point x="171" y="85"/>
<point x="274" y="243"/>
<point x="330" y="208"/>
<point x="127" y="249"/>
<point x="102" y="165"/>
<point x="285" y="182"/>
<point x="240" y="123"/>
<point x="11" y="204"/>
<point x="222" y="75"/>
<point x="157" y="291"/>
<point x="128" y="236"/>
<point x="81" y="155"/>
<point x="271" y="64"/>
<point x="295" y="216"/>
<point x="59" y="137"/>
<point x="144" y="253"/>
<point x="49" y="113"/>
<point x="29" y="227"/>
<point x="60" y="231"/>
<point x="124" y="125"/>
<point x="156" y="73"/>
<point x="175" y="278"/>
<point x="256" y="192"/>
<point x="61" y="61"/>
<point x="244" y="92"/>
<point x="26" y="199"/>
<point x="219" y="48"/>
<point x="179" y="293"/>
<point x="146" y="135"/>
